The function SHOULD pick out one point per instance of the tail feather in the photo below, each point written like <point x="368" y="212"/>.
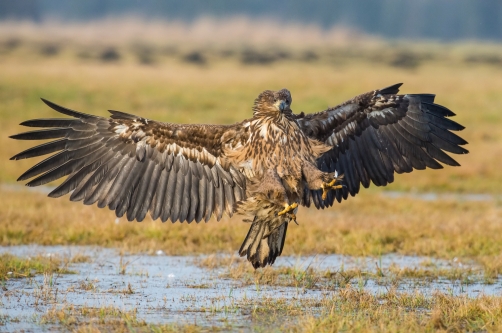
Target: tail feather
<point x="262" y="246"/>
<point x="276" y="242"/>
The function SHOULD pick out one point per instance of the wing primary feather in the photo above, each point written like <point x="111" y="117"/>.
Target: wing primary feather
<point x="75" y="181"/>
<point x="43" y="149"/>
<point x="55" y="161"/>
<point x="66" y="168"/>
<point x="51" y="122"/>
<point x="445" y="145"/>
<point x="445" y="123"/>
<point x="68" y="112"/>
<point x="447" y="135"/>
<point x="437" y="109"/>
<point x="439" y="155"/>
<point x="44" y="134"/>
<point x="85" y="175"/>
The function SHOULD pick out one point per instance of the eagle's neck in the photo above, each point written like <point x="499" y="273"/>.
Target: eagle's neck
<point x="274" y="127"/>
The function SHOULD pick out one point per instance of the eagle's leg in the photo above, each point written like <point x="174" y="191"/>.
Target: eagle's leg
<point x="267" y="233"/>
<point x="317" y="179"/>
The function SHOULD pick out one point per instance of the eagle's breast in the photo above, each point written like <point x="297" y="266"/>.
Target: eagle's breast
<point x="275" y="143"/>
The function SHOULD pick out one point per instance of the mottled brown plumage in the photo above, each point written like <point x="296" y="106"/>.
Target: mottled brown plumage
<point x="263" y="167"/>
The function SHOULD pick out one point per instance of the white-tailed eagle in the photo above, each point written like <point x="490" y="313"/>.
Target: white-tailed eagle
<point x="265" y="166"/>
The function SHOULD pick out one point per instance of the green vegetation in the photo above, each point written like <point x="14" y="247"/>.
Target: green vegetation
<point x="15" y="267"/>
<point x="109" y="319"/>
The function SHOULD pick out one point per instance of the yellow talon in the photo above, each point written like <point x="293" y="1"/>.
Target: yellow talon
<point x="326" y="189"/>
<point x="330" y="186"/>
<point x="288" y="208"/>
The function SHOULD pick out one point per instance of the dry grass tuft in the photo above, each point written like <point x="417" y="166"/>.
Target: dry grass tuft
<point x="353" y="310"/>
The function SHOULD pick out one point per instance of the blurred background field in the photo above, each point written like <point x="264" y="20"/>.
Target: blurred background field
<point x="192" y="75"/>
<point x="196" y="72"/>
<point x="209" y="69"/>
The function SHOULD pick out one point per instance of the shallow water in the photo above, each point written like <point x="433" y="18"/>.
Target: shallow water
<point x="173" y="289"/>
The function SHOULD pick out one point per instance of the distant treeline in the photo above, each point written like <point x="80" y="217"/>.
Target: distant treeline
<point x="430" y="19"/>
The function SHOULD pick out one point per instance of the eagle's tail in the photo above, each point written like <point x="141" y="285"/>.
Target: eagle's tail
<point x="262" y="245"/>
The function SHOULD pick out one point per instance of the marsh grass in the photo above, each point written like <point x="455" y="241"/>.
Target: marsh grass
<point x="348" y="309"/>
<point x="107" y="319"/>
<point x="306" y="276"/>
<point x="16" y="267"/>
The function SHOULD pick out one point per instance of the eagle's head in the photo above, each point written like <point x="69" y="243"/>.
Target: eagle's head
<point x="273" y="102"/>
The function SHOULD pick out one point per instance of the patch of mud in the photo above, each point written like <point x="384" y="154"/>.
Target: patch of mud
<point x="170" y="289"/>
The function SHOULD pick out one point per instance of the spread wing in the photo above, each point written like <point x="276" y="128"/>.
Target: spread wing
<point x="378" y="133"/>
<point x="134" y="165"/>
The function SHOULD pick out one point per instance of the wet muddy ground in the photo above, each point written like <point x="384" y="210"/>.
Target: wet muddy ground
<point x="170" y="289"/>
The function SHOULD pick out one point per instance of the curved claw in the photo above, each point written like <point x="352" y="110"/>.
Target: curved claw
<point x="331" y="186"/>
<point x="326" y="189"/>
<point x="288" y="208"/>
